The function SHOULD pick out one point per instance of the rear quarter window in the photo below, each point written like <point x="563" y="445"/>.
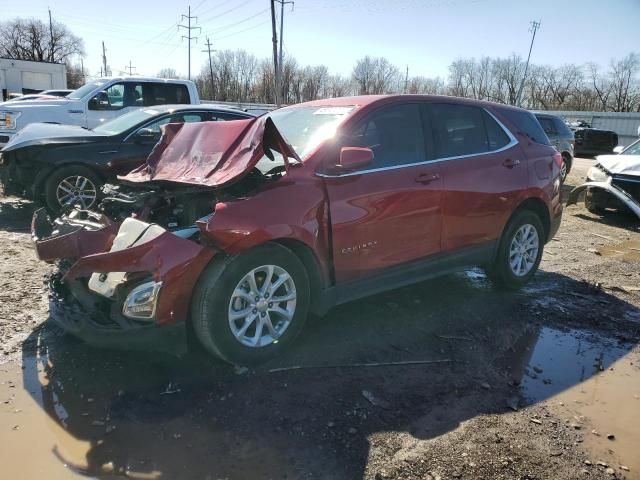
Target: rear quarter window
<point x="526" y="124"/>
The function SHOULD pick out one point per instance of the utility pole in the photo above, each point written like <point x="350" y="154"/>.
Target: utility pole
<point x="50" y="37"/>
<point x="208" y="50"/>
<point x="280" y="60"/>
<point x="188" y="27"/>
<point x="534" y="28"/>
<point x="406" y="80"/>
<point x="82" y="70"/>
<point x="130" y="67"/>
<point x="274" y="38"/>
<point x="104" y="60"/>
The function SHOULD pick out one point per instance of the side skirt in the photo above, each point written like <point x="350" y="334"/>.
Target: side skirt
<point x="407" y="274"/>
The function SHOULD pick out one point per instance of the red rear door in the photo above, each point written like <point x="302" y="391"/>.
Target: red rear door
<point x="484" y="174"/>
<point x="389" y="212"/>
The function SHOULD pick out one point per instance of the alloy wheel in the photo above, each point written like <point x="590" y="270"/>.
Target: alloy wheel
<point x="76" y="190"/>
<point x="563" y="170"/>
<point x="262" y="306"/>
<point x="523" y="250"/>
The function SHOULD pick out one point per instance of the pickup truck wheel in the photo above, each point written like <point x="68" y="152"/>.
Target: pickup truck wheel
<point x="74" y="185"/>
<point x="251" y="307"/>
<point x="520" y="251"/>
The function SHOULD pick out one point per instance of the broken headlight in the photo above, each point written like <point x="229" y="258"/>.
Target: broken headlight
<point x="141" y="301"/>
<point x="597" y="174"/>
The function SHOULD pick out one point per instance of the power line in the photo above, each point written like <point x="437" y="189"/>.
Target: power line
<point x="131" y="68"/>
<point x="534" y="28"/>
<point x="245" y="30"/>
<point x="189" y="37"/>
<point x="213" y="92"/>
<point x="229" y="25"/>
<point x="282" y="4"/>
<point x="274" y="39"/>
<point x="226" y="11"/>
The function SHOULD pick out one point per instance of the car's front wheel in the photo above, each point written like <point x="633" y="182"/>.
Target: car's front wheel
<point x="251" y="307"/>
<point x="519" y="252"/>
<point x="565" y="168"/>
<point x="73" y="185"/>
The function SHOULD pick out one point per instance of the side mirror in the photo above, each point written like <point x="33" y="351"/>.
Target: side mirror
<point x="145" y="135"/>
<point x="352" y="158"/>
<point x="618" y="149"/>
<point x="98" y="103"/>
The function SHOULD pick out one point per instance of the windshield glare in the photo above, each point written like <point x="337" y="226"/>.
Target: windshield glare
<point x="633" y="149"/>
<point x="125" y="122"/>
<point x="85" y="90"/>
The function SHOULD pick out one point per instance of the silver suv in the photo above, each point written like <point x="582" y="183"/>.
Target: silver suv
<point x="560" y="137"/>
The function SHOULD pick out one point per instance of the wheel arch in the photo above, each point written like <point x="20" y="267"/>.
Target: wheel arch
<point x="537" y="206"/>
<point x="317" y="282"/>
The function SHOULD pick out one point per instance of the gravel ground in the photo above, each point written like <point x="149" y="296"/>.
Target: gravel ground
<point x="481" y="409"/>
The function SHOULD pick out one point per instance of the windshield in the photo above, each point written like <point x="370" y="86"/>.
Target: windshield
<point x="125" y="122"/>
<point x="304" y="128"/>
<point x="633" y="149"/>
<point x="84" y="90"/>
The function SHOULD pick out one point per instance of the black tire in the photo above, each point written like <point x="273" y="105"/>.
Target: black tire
<point x="566" y="159"/>
<point x="59" y="175"/>
<point x="501" y="272"/>
<point x="213" y="294"/>
<point x="591" y="205"/>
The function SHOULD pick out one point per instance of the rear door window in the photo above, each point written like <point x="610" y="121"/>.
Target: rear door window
<point x="460" y="130"/>
<point x="526" y="124"/>
<point x="165" y="94"/>
<point x="497" y="138"/>
<point x="394" y="134"/>
<point x="547" y="125"/>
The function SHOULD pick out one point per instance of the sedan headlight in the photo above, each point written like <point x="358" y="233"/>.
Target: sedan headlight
<point x="595" y="174"/>
<point x="8" y="120"/>
<point x="141" y="301"/>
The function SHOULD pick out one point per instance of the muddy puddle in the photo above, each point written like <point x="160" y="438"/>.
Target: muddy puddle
<point x="628" y="251"/>
<point x="591" y="382"/>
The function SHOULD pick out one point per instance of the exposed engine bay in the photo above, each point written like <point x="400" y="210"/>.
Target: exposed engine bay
<point x="174" y="206"/>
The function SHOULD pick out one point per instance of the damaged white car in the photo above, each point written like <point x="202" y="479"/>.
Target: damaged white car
<point x="613" y="182"/>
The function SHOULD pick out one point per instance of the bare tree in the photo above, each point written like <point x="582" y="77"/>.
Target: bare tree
<point x="167" y="72"/>
<point x="375" y="76"/>
<point x="31" y="39"/>
<point x="625" y="88"/>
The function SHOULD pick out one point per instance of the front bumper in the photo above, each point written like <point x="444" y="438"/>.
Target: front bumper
<point x="79" y="312"/>
<point x="89" y="249"/>
<point x="607" y="187"/>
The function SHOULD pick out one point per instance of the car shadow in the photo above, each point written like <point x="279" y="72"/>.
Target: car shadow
<point x="421" y="359"/>
<point x="15" y="213"/>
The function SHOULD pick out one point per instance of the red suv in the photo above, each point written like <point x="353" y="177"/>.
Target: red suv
<point x="237" y="230"/>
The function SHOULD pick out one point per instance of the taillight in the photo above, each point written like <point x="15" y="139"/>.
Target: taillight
<point x="558" y="159"/>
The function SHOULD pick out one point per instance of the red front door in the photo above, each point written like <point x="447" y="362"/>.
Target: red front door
<point x="389" y="212"/>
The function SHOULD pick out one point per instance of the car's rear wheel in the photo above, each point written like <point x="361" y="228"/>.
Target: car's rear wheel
<point x="565" y="168"/>
<point x="251" y="307"/>
<point x="519" y="252"/>
<point x="74" y="185"/>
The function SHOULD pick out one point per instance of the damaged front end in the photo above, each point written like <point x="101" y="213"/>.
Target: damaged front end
<point x="127" y="273"/>
<point x="607" y="187"/>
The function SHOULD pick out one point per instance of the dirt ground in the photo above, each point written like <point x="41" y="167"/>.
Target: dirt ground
<point x="539" y="384"/>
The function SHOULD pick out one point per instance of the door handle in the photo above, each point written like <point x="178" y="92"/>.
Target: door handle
<point x="510" y="163"/>
<point x="426" y="178"/>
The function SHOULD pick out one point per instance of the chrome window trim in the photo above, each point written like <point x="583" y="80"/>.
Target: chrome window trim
<point x="512" y="143"/>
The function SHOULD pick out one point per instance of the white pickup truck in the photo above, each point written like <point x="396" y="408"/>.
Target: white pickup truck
<point x="96" y="102"/>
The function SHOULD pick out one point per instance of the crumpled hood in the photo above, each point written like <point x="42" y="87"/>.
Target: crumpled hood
<point x="620" y="164"/>
<point x="41" y="133"/>
<point x="211" y="154"/>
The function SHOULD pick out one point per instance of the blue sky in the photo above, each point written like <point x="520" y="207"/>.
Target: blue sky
<point x="426" y="35"/>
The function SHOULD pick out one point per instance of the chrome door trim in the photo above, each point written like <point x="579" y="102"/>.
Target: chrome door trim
<point x="512" y="143"/>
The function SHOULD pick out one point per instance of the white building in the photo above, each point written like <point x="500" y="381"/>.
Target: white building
<point x="24" y="76"/>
